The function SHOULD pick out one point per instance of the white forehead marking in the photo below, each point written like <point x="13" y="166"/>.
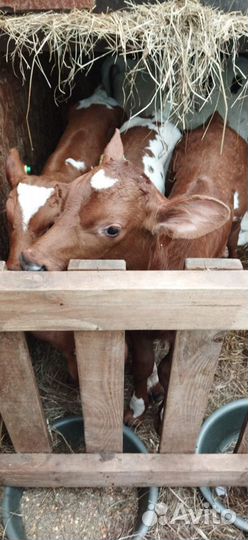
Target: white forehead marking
<point x="79" y="165"/>
<point x="157" y="160"/>
<point x="138" y="121"/>
<point x="31" y="198"/>
<point x="236" y="200"/>
<point x="100" y="97"/>
<point x="101" y="181"/>
<point x="137" y="405"/>
<point x="243" y="235"/>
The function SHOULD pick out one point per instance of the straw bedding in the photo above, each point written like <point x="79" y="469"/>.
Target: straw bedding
<point x="182" y="44"/>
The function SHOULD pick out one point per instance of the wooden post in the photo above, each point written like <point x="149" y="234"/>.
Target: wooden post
<point x="20" y="404"/>
<point x="100" y="359"/>
<point x="242" y="442"/>
<point x="195" y="358"/>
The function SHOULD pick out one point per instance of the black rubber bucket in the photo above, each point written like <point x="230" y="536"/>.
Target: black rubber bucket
<point x="72" y="430"/>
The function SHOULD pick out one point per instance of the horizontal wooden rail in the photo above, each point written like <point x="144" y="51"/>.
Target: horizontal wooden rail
<point x="117" y="300"/>
<point x="96" y="470"/>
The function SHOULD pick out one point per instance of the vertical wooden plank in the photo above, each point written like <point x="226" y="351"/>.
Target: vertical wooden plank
<point x="100" y="359"/>
<point x="195" y="358"/>
<point x="242" y="443"/>
<point x="20" y="404"/>
<point x="194" y="363"/>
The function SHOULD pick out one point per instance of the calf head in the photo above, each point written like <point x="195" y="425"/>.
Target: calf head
<point x="115" y="212"/>
<point x="32" y="207"/>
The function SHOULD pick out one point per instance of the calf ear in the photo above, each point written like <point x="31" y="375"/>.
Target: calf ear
<point x="114" y="149"/>
<point x="191" y="217"/>
<point x="15" y="169"/>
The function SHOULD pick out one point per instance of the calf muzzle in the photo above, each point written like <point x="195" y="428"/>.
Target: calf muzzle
<point x="30" y="266"/>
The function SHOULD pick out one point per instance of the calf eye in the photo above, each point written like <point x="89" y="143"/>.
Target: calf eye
<point x="112" y="231"/>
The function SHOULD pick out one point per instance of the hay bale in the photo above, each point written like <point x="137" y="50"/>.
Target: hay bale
<point x="186" y="42"/>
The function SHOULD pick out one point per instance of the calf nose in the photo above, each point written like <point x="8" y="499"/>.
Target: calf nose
<point x="30" y="266"/>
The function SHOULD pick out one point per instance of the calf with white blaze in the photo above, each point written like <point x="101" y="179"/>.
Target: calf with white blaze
<point x="115" y="212"/>
<point x="35" y="202"/>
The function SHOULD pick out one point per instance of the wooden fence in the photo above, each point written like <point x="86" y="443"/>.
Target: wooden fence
<point x="211" y="296"/>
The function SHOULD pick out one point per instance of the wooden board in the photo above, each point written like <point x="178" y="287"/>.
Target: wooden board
<point x="101" y="359"/>
<point x="96" y="470"/>
<point x="242" y="443"/>
<point x="194" y="364"/>
<point x="77" y="264"/>
<point x="117" y="300"/>
<point x="20" y="404"/>
<point x="213" y="264"/>
<point x="44" y="5"/>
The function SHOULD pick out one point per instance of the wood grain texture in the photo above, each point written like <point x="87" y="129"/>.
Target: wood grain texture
<point x="96" y="470"/>
<point x="194" y="363"/>
<point x="213" y="264"/>
<point x="44" y="5"/>
<point x="242" y="444"/>
<point x="101" y="359"/>
<point x="117" y="300"/>
<point x="77" y="264"/>
<point x="20" y="404"/>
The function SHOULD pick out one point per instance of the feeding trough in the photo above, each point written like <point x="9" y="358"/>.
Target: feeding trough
<point x="219" y="434"/>
<point x="71" y="430"/>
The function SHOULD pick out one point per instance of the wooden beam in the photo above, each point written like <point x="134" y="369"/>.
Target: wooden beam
<point x="213" y="264"/>
<point x="194" y="362"/>
<point x="78" y="264"/>
<point x="117" y="300"/>
<point x="20" y="6"/>
<point x="20" y="404"/>
<point x="101" y="360"/>
<point x="96" y="470"/>
<point x="242" y="443"/>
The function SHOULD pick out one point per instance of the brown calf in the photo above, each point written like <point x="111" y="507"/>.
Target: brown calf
<point x="35" y="202"/>
<point x="115" y="212"/>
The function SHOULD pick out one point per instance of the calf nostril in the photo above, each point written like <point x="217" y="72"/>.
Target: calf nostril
<point x="31" y="266"/>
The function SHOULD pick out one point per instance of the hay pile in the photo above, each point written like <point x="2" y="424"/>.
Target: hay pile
<point x="181" y="43"/>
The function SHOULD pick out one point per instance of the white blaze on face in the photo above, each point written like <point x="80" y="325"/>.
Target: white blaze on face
<point x="243" y="235"/>
<point x="153" y="379"/>
<point x="101" y="181"/>
<point x="31" y="199"/>
<point x="79" y="165"/>
<point x="100" y="97"/>
<point x="137" y="405"/>
<point x="236" y="200"/>
<point x="156" y="160"/>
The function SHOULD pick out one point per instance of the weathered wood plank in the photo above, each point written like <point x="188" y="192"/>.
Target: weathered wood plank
<point x="101" y="359"/>
<point x="20" y="404"/>
<point x="44" y="5"/>
<point x="96" y="470"/>
<point x="78" y="264"/>
<point x="242" y="443"/>
<point x="194" y="363"/>
<point x="213" y="264"/>
<point x="118" y="300"/>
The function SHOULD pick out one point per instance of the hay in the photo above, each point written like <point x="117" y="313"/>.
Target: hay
<point x="182" y="44"/>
